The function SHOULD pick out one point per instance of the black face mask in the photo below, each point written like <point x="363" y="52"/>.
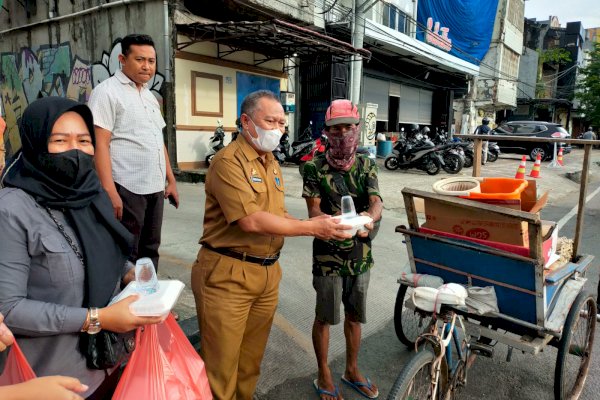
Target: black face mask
<point x="68" y="168"/>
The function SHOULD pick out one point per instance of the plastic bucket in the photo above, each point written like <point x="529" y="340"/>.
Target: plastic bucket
<point x="384" y="148"/>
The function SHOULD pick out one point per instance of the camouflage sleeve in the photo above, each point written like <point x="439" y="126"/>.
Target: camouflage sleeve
<point x="372" y="182"/>
<point x="311" y="181"/>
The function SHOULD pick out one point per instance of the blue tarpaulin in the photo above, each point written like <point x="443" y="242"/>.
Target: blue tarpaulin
<point x="463" y="28"/>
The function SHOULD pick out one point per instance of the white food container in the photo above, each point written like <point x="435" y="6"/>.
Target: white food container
<point x="157" y="304"/>
<point x="357" y="222"/>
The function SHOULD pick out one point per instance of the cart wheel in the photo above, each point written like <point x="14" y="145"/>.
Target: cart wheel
<point x="575" y="348"/>
<point x="409" y="323"/>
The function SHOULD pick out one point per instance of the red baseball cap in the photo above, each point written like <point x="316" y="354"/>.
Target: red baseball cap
<point x="341" y="112"/>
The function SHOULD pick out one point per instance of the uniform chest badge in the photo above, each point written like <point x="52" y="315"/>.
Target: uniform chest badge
<point x="254" y="176"/>
<point x="277" y="181"/>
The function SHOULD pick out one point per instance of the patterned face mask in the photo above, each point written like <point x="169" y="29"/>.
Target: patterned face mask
<point x="342" y="147"/>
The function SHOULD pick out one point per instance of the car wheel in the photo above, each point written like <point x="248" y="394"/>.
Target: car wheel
<point x="538" y="150"/>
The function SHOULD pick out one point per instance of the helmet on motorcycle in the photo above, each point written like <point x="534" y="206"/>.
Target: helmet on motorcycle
<point x="341" y="112"/>
<point x="414" y="127"/>
<point x="485" y="120"/>
<point x="426" y="130"/>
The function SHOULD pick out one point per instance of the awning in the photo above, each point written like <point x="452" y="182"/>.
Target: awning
<point x="401" y="44"/>
<point x="275" y="39"/>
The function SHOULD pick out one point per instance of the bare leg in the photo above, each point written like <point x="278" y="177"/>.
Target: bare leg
<point x="353" y="331"/>
<point x="320" y="336"/>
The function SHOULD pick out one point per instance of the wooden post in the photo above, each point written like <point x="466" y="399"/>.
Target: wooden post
<point x="411" y="212"/>
<point x="585" y="171"/>
<point x="478" y="146"/>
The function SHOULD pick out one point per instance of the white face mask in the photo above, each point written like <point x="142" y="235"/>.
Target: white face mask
<point x="267" y="140"/>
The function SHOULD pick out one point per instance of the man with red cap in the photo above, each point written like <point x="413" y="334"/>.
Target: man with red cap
<point x="341" y="268"/>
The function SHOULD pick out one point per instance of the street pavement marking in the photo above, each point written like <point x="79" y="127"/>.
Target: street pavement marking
<point x="292" y="332"/>
<point x="573" y="211"/>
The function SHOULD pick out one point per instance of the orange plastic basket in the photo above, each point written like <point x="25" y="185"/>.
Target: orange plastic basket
<point x="499" y="191"/>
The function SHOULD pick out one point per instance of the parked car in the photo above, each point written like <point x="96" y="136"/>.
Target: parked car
<point x="532" y="129"/>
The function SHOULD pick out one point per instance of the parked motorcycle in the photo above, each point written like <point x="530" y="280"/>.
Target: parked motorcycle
<point x="493" y="151"/>
<point x="417" y="152"/>
<point x="282" y="151"/>
<point x="453" y="156"/>
<point x="319" y="146"/>
<point x="216" y="142"/>
<point x="452" y="153"/>
<point x="468" y="147"/>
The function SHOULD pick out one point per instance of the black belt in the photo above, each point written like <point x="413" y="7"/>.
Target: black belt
<point x="243" y="256"/>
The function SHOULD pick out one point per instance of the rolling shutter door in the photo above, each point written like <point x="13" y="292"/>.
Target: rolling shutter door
<point x="376" y="91"/>
<point x="415" y="105"/>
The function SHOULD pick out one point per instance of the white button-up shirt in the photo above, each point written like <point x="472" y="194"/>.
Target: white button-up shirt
<point x="136" y="147"/>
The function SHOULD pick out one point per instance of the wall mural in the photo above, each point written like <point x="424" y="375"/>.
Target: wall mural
<point x="52" y="70"/>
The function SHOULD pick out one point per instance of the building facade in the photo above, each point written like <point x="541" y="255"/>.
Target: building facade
<point x="552" y="57"/>
<point x="493" y="94"/>
<point x="414" y="60"/>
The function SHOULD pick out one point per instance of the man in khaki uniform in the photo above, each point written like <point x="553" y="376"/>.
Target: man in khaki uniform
<point x="236" y="276"/>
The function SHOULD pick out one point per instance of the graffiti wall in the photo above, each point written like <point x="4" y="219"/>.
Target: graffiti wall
<point x="52" y="70"/>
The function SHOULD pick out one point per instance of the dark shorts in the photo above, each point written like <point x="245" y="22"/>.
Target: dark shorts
<point x="333" y="290"/>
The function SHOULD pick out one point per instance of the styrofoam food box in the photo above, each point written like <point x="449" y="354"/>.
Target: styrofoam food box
<point x="357" y="222"/>
<point x="155" y="304"/>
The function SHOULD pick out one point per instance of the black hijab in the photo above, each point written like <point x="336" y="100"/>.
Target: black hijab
<point x="105" y="243"/>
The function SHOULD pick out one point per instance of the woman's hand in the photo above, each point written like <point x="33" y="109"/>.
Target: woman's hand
<point x="118" y="318"/>
<point x="48" y="388"/>
<point x="6" y="336"/>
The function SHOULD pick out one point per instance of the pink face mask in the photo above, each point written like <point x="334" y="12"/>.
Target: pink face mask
<point x="342" y="148"/>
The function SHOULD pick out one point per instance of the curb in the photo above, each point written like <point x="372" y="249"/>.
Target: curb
<point x="190" y="176"/>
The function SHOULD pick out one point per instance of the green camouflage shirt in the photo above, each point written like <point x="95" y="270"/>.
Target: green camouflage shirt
<point x="351" y="256"/>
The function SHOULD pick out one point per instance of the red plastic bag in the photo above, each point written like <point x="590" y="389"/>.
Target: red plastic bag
<point x="163" y="366"/>
<point x="17" y="369"/>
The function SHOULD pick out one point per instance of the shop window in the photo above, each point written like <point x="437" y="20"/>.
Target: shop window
<point x="394" y="18"/>
<point x="207" y="94"/>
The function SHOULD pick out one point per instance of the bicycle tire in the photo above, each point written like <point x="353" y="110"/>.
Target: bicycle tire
<point x="418" y="367"/>
<point x="408" y="324"/>
<point x="563" y="389"/>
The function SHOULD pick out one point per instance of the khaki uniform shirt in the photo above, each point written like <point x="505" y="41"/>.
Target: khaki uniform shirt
<point x="239" y="184"/>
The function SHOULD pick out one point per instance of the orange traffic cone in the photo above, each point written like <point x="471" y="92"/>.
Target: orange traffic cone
<point x="535" y="171"/>
<point x="560" y="157"/>
<point x="521" y="171"/>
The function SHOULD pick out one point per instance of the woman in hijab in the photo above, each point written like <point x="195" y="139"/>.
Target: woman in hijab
<point x="62" y="252"/>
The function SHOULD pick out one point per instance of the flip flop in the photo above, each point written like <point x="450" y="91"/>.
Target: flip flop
<point x="357" y="385"/>
<point x="335" y="394"/>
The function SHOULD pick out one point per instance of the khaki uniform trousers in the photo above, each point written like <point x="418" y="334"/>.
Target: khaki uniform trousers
<point x="235" y="302"/>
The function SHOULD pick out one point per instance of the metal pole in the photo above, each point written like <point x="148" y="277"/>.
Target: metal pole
<point x="554" y="163"/>
<point x="357" y="42"/>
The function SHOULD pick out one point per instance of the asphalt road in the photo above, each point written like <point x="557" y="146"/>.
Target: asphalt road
<point x="289" y="366"/>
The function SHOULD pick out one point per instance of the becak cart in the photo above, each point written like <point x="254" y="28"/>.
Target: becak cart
<point x="540" y="301"/>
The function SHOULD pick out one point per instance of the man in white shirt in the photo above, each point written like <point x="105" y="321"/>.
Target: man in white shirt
<point x="131" y="158"/>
